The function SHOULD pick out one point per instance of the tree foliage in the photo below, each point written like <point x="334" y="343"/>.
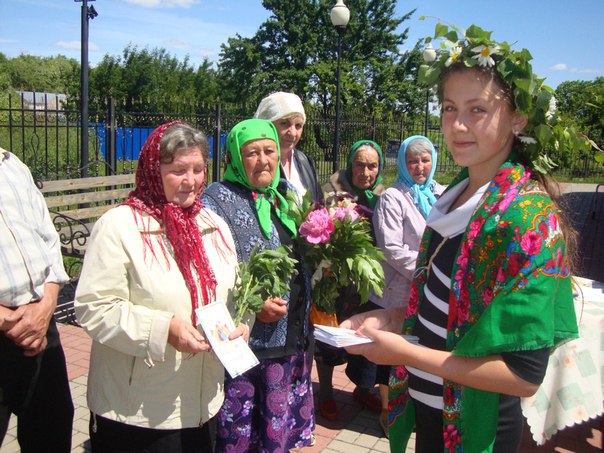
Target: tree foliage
<point x="152" y="76"/>
<point x="582" y="102"/>
<point x="296" y="50"/>
<point x="57" y="74"/>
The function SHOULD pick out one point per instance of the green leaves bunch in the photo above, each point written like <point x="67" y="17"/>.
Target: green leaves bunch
<point x="474" y="47"/>
<point x="266" y="274"/>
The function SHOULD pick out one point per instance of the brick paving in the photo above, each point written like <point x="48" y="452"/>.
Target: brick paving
<point x="357" y="430"/>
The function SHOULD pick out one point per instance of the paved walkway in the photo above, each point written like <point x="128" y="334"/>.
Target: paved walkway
<point x="356" y="430"/>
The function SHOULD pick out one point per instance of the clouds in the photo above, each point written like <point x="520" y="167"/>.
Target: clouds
<point x="559" y="67"/>
<point x="192" y="28"/>
<point x="75" y="45"/>
<point x="163" y="3"/>
<point x="177" y="44"/>
<point x="565" y="68"/>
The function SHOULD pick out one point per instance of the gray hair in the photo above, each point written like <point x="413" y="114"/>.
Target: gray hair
<point x="366" y="147"/>
<point x="418" y="146"/>
<point x="182" y="136"/>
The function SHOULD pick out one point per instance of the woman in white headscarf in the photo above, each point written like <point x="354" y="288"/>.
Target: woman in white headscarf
<point x="286" y="112"/>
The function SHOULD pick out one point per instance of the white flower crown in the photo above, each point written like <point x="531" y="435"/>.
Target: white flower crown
<point x="543" y="133"/>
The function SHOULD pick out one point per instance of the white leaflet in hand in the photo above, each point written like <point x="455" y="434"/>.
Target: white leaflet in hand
<point x="235" y="355"/>
<point x="338" y="337"/>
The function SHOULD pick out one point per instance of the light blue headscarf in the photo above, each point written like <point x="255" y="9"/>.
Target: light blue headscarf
<point x="423" y="195"/>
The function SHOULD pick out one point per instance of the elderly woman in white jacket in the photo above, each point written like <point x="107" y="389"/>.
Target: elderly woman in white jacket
<point x="153" y="383"/>
<point x="399" y="221"/>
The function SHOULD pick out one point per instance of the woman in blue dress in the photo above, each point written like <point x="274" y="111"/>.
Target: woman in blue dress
<point x="270" y="407"/>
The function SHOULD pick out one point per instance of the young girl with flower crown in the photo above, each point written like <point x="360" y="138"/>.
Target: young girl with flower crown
<point x="492" y="293"/>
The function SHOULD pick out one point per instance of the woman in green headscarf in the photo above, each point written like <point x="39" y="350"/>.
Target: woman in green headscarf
<point x="360" y="182"/>
<point x="251" y="199"/>
<point x="362" y="178"/>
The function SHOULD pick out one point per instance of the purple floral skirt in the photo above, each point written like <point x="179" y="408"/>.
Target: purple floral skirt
<point x="268" y="409"/>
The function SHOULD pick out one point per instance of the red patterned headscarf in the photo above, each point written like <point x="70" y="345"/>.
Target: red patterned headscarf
<point x="180" y="225"/>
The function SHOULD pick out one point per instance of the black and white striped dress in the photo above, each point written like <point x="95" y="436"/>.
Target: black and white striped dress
<point x="431" y="328"/>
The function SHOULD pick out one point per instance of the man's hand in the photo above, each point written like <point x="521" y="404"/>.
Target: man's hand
<point x="273" y="310"/>
<point x="29" y="332"/>
<point x="8" y="318"/>
<point x="186" y="338"/>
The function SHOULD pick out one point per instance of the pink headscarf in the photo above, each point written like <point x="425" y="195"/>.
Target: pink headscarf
<point x="180" y="225"/>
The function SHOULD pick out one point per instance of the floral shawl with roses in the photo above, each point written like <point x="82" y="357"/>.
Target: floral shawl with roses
<point x="511" y="292"/>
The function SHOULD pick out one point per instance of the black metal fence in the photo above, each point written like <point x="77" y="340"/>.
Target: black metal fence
<point x="46" y="135"/>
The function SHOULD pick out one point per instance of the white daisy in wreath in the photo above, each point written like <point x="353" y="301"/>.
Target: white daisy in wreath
<point x="525" y="139"/>
<point x="483" y="54"/>
<point x="454" y="53"/>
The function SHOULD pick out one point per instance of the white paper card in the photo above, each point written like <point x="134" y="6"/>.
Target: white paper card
<point x="341" y="338"/>
<point x="338" y="337"/>
<point x="235" y="355"/>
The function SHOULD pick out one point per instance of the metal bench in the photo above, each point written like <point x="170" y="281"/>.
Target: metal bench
<point x="74" y="206"/>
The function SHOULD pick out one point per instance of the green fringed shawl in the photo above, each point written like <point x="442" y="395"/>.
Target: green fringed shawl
<point x="511" y="292"/>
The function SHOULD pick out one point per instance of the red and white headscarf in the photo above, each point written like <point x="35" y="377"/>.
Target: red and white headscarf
<point x="179" y="224"/>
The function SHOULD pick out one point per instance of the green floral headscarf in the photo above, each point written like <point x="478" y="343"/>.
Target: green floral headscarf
<point x="265" y="198"/>
<point x="365" y="193"/>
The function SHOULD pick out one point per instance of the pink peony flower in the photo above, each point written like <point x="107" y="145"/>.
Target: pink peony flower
<point x="543" y="229"/>
<point x="451" y="437"/>
<point x="413" y="300"/>
<point x="507" y="199"/>
<point x="515" y="264"/>
<point x="400" y="372"/>
<point x="559" y="258"/>
<point x="502" y="175"/>
<point x="487" y="296"/>
<point x="475" y="227"/>
<point x="344" y="213"/>
<point x="531" y="243"/>
<point x="317" y="227"/>
<point x="463" y="309"/>
<point x="553" y="221"/>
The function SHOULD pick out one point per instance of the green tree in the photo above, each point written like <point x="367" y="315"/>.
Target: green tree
<point x="106" y="79"/>
<point x="5" y="86"/>
<point x="149" y="77"/>
<point x="240" y="70"/>
<point x="582" y="103"/>
<point x="42" y="74"/>
<point x="295" y="50"/>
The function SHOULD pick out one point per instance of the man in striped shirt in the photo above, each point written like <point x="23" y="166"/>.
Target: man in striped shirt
<point x="33" y="374"/>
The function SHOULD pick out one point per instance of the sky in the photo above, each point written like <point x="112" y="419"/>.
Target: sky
<point x="565" y="37"/>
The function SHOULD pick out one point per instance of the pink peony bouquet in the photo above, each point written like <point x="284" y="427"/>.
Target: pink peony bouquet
<point x="337" y="247"/>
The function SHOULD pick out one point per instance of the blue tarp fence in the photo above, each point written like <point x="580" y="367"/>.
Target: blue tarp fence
<point x="130" y="140"/>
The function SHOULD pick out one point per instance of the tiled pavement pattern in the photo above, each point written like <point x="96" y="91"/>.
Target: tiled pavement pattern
<point x="357" y="430"/>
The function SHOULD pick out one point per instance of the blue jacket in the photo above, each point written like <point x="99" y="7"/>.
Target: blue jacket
<point x="234" y="203"/>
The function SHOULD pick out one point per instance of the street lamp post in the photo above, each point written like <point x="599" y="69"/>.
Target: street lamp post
<point x="340" y="15"/>
<point x="88" y="12"/>
<point x="429" y="55"/>
<point x="427" y="119"/>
